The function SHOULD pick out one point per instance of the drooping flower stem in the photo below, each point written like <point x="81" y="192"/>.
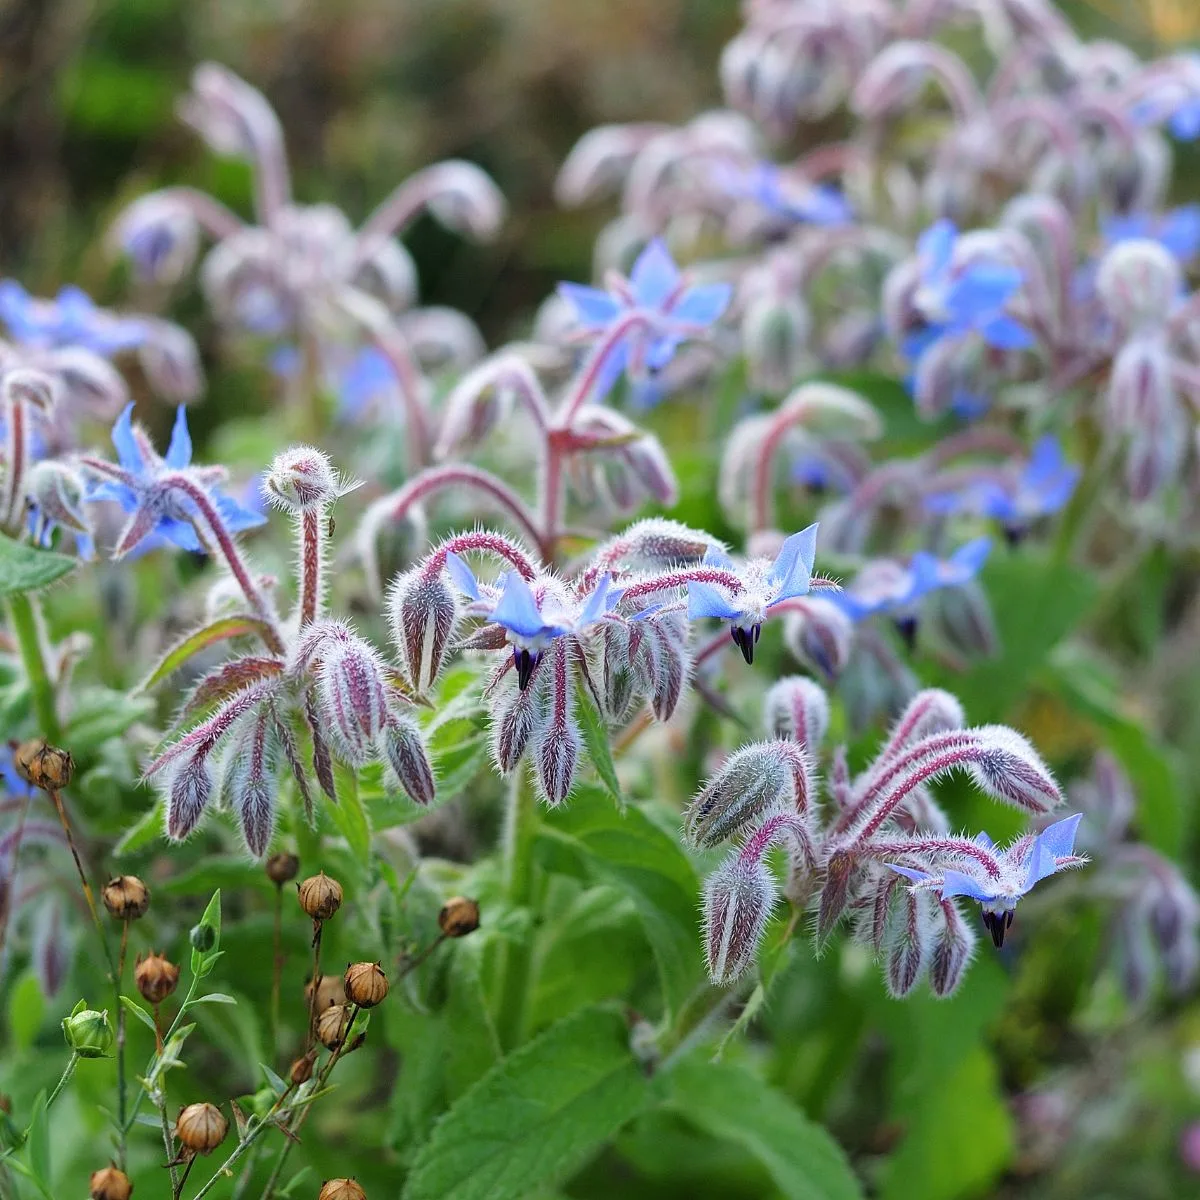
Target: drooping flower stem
<point x="63" y="1080"/>
<point x="312" y="554"/>
<point x="27" y="625"/>
<point x="593" y="368"/>
<point x="520" y="828"/>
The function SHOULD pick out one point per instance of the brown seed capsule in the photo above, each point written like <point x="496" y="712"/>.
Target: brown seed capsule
<point x="45" y="766"/>
<point x="110" y="1184"/>
<point x="365" y="983"/>
<point x="332" y="1026"/>
<point x="341" y="1189"/>
<point x="320" y="896"/>
<point x="302" y="1068"/>
<point x="330" y="990"/>
<point x="155" y="977"/>
<point x="5" y="1104"/>
<point x="281" y="868"/>
<point x="126" y="897"/>
<point x="201" y="1128"/>
<point x="459" y="916"/>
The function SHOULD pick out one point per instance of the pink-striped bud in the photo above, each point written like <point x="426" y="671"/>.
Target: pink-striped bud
<point x="751" y="782"/>
<point x="170" y="361"/>
<point x="1139" y="283"/>
<point x="953" y="944"/>
<point x="1141" y="393"/>
<point x="160" y="235"/>
<point x="555" y="751"/>
<point x="1010" y="769"/>
<point x="775" y="333"/>
<point x="404" y="755"/>
<point x="352" y="696"/>
<point x="797" y="710"/>
<point x="648" y="463"/>
<point x="483" y="399"/>
<point x="599" y="161"/>
<point x="56" y="489"/>
<point x="249" y="784"/>
<point x="820" y="636"/>
<point x="422" y="612"/>
<point x="618" y="672"/>
<point x="738" y="899"/>
<point x="906" y="942"/>
<point x="189" y="789"/>
<point x="463" y="197"/>
<point x="516" y="713"/>
<point x="654" y="544"/>
<point x="302" y="479"/>
<point x="892" y="82"/>
<point x="961" y="617"/>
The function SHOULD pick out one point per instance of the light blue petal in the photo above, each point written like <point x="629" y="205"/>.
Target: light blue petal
<point x="597" y="603"/>
<point x="463" y="576"/>
<point x="955" y="883"/>
<point x="967" y="560"/>
<point x="1179" y="231"/>
<point x="1041" y="864"/>
<point x="654" y="276"/>
<point x="935" y="247"/>
<point x="703" y="305"/>
<point x="714" y="556"/>
<point x="593" y="307"/>
<point x="1045" y="460"/>
<point x="517" y="610"/>
<point x="111" y="490"/>
<point x="179" y="452"/>
<point x="128" y="451"/>
<point x="1059" y="838"/>
<point x="982" y="839"/>
<point x="235" y="515"/>
<point x="910" y="873"/>
<point x="179" y="532"/>
<point x="704" y="600"/>
<point x="793" y="566"/>
<point x="993" y="500"/>
<point x="1006" y="334"/>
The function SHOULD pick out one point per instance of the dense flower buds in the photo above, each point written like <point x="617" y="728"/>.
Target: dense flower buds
<point x="156" y="978"/>
<point x="88" y="1032"/>
<point x="422" y="611"/>
<point x="201" y="1128"/>
<point x="459" y="916"/>
<point x="126" y="897"/>
<point x="42" y="765"/>
<point x="302" y="479"/>
<point x="109" y="1183"/>
<point x="365" y="984"/>
<point x="353" y="698"/>
<point x="738" y="898"/>
<point x="341" y="1189"/>
<point x="320" y="896"/>
<point x="333" y="1023"/>
<point x="281" y="868"/>
<point x="798" y="710"/>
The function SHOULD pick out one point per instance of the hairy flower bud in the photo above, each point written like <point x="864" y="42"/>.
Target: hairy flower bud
<point x="188" y="793"/>
<point x="156" y="978"/>
<point x="962" y="618"/>
<point x="775" y="340"/>
<point x="365" y="984"/>
<point x="555" y="752"/>
<point x="459" y="916"/>
<point x="170" y="361"/>
<point x="516" y="713"/>
<point x="341" y="1189"/>
<point x="1139" y="283"/>
<point x="126" y="897"/>
<point x="281" y="868"/>
<point x="1010" y="769"/>
<point x="353" y="696"/>
<point x="333" y="1023"/>
<point x="320" y="896"/>
<point x="42" y="765"/>
<point x="88" y="1032"/>
<point x="406" y="760"/>
<point x="201" y="1128"/>
<point x="160" y="235"/>
<point x="302" y="479"/>
<point x="422" y="612"/>
<point x="109" y="1183"/>
<point x="953" y="944"/>
<point x="738" y="899"/>
<point x="906" y="942"/>
<point x="820" y="636"/>
<point x="797" y="709"/>
<point x="753" y="781"/>
<point x="56" y="490"/>
<point x="463" y="198"/>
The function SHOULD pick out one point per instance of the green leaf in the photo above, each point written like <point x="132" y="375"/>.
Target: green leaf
<point x="350" y="818"/>
<point x="215" y="998"/>
<point x="201" y="639"/>
<point x="203" y="961"/>
<point x="536" y="1117"/>
<point x="731" y="1102"/>
<point x="26" y="568"/>
<point x="149" y="828"/>
<point x="626" y="848"/>
<point x="277" y="1084"/>
<point x="98" y="714"/>
<point x="38" y="1145"/>
<point x="26" y="1010"/>
<point x="135" y="1009"/>
<point x="595" y="738"/>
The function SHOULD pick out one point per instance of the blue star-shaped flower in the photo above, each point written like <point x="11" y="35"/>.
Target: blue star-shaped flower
<point x="785" y="196"/>
<point x="1021" y="866"/>
<point x="133" y="487"/>
<point x="765" y="584"/>
<point x="1043" y="487"/>
<point x="532" y="624"/>
<point x="656" y="288"/>
<point x="71" y="319"/>
<point x="970" y="299"/>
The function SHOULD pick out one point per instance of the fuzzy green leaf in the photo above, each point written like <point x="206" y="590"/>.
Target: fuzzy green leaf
<point x="26" y="568"/>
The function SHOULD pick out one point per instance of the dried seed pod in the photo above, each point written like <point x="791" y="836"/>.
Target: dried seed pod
<point x="320" y="896"/>
<point x="126" y="897"/>
<point x="459" y="916"/>
<point x="282" y="868"/>
<point x="302" y="1069"/>
<point x="341" y="1189"/>
<point x="201" y="1128"/>
<point x="156" y="978"/>
<point x="329" y="991"/>
<point x="109" y="1184"/>
<point x="45" y="766"/>
<point x="365" y="983"/>
<point x="332" y="1026"/>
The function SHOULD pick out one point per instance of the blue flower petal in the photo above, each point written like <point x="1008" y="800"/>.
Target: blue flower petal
<point x="1059" y="838"/>
<point x="955" y="883"/>
<point x="598" y="603"/>
<point x="1007" y="334"/>
<point x="593" y="307"/>
<point x="703" y="305"/>
<point x="654" y="276"/>
<point x="517" y="610"/>
<point x="179" y="452"/>
<point x="128" y="451"/>
<point x="704" y="600"/>
<point x="936" y="246"/>
<point x="793" y="565"/>
<point x="911" y="873"/>
<point x="463" y="576"/>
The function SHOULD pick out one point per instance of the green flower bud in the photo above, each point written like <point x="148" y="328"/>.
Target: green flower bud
<point x="88" y="1032"/>
<point x="203" y="937"/>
